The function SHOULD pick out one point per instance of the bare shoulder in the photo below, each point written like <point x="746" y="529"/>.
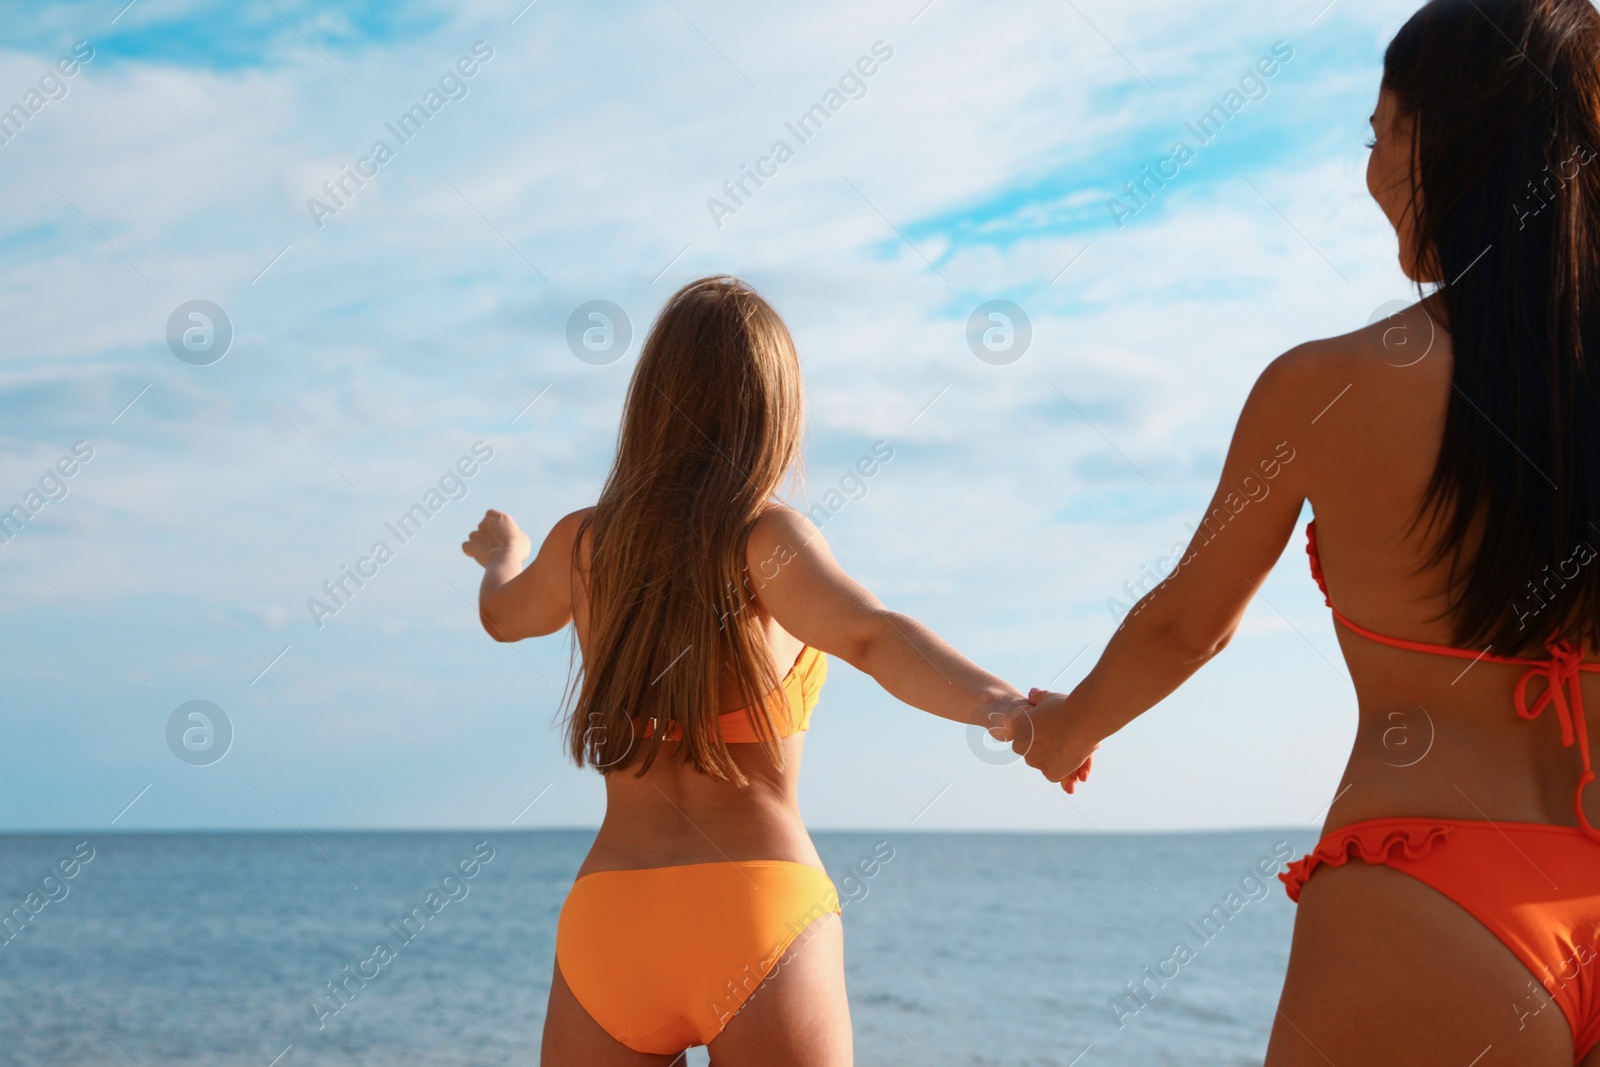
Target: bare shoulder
<point x="1408" y="337"/>
<point x="781" y="531"/>
<point x="564" y="534"/>
<point x="1308" y="380"/>
<point x="566" y="528"/>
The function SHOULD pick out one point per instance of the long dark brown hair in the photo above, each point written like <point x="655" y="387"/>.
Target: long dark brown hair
<point x="710" y="430"/>
<point x="1505" y="96"/>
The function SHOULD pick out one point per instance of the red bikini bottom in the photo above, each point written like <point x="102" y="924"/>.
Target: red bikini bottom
<point x="1535" y="887"/>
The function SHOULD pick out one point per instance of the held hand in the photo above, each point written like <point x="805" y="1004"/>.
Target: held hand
<point x="1047" y="737"/>
<point x="1002" y="716"/>
<point x="497" y="537"/>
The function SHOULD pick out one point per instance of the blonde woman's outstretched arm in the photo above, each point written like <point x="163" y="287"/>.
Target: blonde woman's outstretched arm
<point x="797" y="580"/>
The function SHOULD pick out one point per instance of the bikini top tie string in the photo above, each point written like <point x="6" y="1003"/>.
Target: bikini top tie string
<point x="1563" y="676"/>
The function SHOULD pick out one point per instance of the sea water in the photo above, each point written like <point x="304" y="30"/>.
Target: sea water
<point x="223" y="949"/>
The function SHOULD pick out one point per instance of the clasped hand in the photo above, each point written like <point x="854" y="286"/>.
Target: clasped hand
<point x="1048" y="736"/>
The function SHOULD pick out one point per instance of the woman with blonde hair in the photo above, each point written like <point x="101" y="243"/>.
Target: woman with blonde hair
<point x="705" y="611"/>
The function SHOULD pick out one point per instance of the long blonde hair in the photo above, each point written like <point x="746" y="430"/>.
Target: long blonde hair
<point x="710" y="429"/>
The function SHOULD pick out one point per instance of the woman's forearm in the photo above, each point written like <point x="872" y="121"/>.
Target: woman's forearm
<point x="1146" y="660"/>
<point x="499" y="569"/>
<point x="898" y="654"/>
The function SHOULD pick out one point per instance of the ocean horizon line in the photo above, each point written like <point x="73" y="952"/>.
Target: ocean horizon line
<point x="217" y="831"/>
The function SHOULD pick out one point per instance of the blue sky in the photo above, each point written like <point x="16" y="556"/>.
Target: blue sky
<point x="373" y="351"/>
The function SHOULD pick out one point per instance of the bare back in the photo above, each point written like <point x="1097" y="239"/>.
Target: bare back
<point x="1437" y="736"/>
<point x="673" y="814"/>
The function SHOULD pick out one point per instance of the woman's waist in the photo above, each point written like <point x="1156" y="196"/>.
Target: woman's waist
<point x="1442" y="773"/>
<point x="650" y="828"/>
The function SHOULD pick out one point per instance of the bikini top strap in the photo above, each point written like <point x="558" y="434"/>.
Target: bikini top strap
<point x="1399" y="642"/>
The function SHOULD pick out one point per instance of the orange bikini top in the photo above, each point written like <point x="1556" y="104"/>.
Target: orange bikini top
<point x="791" y="712"/>
<point x="1562" y="672"/>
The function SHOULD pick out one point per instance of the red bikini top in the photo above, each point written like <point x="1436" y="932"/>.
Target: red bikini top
<point x="1562" y="673"/>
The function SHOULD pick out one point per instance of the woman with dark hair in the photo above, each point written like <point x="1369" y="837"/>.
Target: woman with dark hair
<point x="704" y="612"/>
<point x="1451" y="913"/>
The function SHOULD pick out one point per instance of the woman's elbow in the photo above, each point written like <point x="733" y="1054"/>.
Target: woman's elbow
<point x="496" y="626"/>
<point x="1191" y="644"/>
<point x="860" y="647"/>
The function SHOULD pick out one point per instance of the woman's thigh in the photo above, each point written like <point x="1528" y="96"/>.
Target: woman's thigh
<point x="1385" y="971"/>
<point x="573" y="1039"/>
<point x="800" y="1015"/>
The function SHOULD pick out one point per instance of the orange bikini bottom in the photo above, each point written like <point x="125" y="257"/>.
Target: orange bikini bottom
<point x="1535" y="887"/>
<point x="663" y="957"/>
